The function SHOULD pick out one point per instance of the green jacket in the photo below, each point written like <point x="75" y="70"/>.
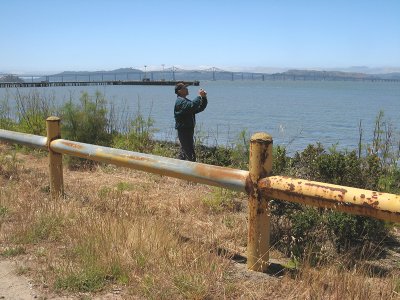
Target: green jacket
<point x="185" y="111"/>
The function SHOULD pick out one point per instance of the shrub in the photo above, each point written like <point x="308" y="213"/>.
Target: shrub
<point x="349" y="230"/>
<point x="390" y="182"/>
<point x="308" y="229"/>
<point x="218" y="156"/>
<point x="305" y="163"/>
<point x="281" y="162"/>
<point x="308" y="235"/>
<point x="87" y="122"/>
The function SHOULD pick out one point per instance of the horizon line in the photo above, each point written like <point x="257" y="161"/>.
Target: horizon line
<point x="259" y="69"/>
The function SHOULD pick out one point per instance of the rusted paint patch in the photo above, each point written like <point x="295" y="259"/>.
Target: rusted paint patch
<point x="333" y="189"/>
<point x="218" y="172"/>
<point x="140" y="158"/>
<point x="72" y="145"/>
<point x="249" y="187"/>
<point x="373" y="205"/>
<point x="264" y="158"/>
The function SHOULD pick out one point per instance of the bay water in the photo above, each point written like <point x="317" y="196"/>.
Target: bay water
<point x="295" y="113"/>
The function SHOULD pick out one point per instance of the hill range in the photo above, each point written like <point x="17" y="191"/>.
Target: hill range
<point x="209" y="74"/>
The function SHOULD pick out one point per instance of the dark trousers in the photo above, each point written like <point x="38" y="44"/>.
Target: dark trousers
<point x="185" y="136"/>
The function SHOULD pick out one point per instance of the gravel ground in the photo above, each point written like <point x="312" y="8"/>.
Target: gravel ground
<point x="13" y="286"/>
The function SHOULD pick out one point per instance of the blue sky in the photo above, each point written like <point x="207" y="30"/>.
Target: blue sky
<point x="51" y="36"/>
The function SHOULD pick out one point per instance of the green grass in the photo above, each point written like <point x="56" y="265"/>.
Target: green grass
<point x="88" y="280"/>
<point x="220" y="200"/>
<point x="11" y="252"/>
<point x="190" y="285"/>
<point x="92" y="277"/>
<point x="125" y="186"/>
<point x="45" y="228"/>
<point x="3" y="211"/>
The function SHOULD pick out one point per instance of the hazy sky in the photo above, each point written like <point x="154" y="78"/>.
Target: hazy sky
<point x="55" y="35"/>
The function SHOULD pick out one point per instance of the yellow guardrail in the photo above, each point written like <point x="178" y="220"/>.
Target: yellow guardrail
<point x="258" y="182"/>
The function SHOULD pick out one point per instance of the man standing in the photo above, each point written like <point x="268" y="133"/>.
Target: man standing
<point x="185" y="119"/>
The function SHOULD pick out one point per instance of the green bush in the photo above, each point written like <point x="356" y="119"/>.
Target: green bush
<point x="390" y="182"/>
<point x="307" y="234"/>
<point x="218" y="156"/>
<point x="342" y="168"/>
<point x="348" y="230"/>
<point x="166" y="149"/>
<point x="308" y="231"/>
<point x="305" y="163"/>
<point x="281" y="162"/>
<point x="87" y="121"/>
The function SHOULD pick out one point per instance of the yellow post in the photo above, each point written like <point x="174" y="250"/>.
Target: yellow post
<point x="260" y="166"/>
<point x="55" y="159"/>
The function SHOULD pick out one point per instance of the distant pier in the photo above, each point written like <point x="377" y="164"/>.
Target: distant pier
<point x="88" y="83"/>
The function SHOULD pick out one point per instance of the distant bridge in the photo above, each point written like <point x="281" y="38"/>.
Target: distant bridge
<point x="166" y="76"/>
<point x="87" y="83"/>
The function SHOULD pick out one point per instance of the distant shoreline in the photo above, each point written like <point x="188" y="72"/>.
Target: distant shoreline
<point x="175" y="74"/>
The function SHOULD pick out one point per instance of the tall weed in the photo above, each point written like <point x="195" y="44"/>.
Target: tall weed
<point x="32" y="111"/>
<point x="6" y="120"/>
<point x="140" y="134"/>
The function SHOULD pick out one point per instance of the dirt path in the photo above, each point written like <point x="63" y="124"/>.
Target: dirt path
<point x="13" y="286"/>
<point x="18" y="287"/>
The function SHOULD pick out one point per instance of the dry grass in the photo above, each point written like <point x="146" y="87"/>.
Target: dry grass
<point x="146" y="236"/>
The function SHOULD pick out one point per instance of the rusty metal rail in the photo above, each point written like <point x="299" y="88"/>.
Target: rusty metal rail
<point x="351" y="200"/>
<point x="202" y="173"/>
<point x="257" y="182"/>
<point x="29" y="140"/>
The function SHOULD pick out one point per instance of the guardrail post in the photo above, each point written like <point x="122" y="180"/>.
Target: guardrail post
<point x="55" y="159"/>
<point x="260" y="166"/>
